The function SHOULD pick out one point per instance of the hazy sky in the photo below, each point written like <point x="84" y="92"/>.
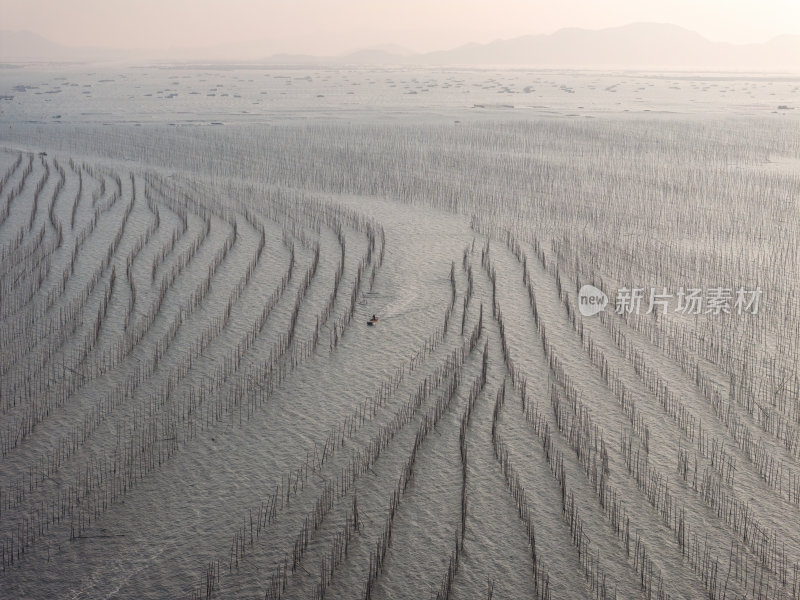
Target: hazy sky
<point x="335" y="26"/>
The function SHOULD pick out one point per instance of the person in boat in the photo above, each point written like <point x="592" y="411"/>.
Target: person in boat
<point x="374" y="318"/>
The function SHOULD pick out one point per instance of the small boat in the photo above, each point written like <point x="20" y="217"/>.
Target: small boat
<point x="373" y="321"/>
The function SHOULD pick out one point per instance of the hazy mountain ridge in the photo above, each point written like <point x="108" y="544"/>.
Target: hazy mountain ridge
<point x="27" y="45"/>
<point x="637" y="44"/>
<point x="634" y="45"/>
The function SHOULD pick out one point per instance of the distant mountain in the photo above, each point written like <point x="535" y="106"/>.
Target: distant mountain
<point x="26" y="45"/>
<point x="639" y="45"/>
<point x="374" y="57"/>
<point x="393" y="49"/>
